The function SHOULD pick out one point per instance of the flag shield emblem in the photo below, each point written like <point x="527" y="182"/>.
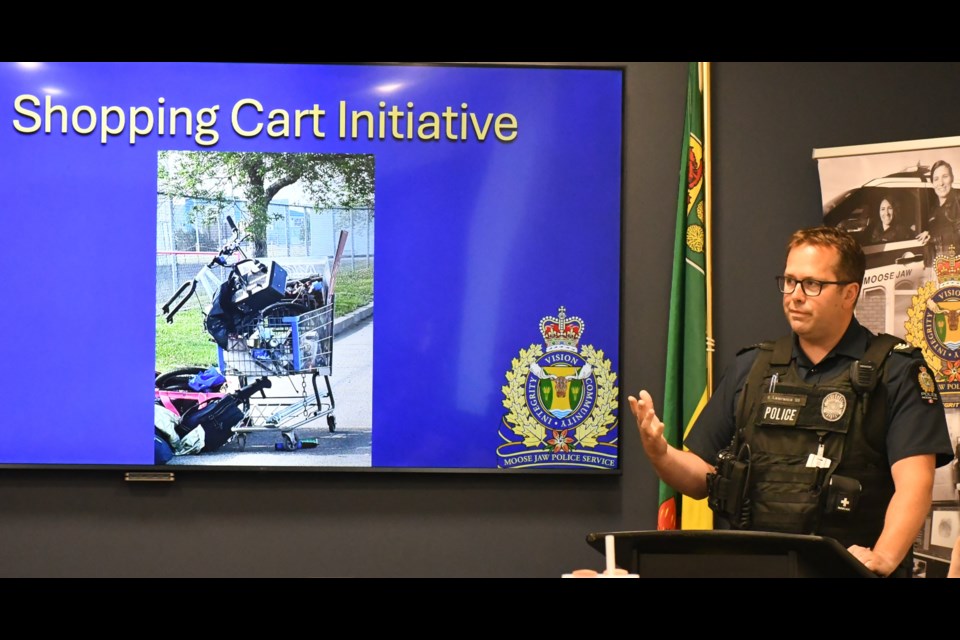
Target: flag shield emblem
<point x="561" y="393"/>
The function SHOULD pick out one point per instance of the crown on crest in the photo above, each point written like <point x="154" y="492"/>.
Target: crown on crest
<point x="561" y="333"/>
<point x="947" y="267"/>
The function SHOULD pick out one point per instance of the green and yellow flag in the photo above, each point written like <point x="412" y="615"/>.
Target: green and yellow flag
<point x="687" y="385"/>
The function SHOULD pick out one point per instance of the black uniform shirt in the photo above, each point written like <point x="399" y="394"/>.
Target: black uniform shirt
<point x="916" y="426"/>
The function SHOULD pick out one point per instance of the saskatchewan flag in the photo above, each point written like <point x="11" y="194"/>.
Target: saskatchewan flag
<point x="687" y="386"/>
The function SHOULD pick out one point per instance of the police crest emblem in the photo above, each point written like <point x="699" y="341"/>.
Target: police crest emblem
<point x="933" y="324"/>
<point x="928" y="389"/>
<point x="561" y="402"/>
<point x="833" y="406"/>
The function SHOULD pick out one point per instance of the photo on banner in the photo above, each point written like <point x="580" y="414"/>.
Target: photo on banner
<point x="901" y="200"/>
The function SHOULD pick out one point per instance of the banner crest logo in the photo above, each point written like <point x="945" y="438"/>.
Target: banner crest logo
<point x="561" y="402"/>
<point x="933" y="324"/>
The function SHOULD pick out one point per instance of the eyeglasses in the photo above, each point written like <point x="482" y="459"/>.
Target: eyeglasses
<point x="809" y="286"/>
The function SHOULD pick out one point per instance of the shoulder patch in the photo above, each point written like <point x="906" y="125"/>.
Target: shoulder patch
<point x="926" y="385"/>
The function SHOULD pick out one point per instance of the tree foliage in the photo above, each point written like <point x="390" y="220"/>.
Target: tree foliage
<point x="215" y="178"/>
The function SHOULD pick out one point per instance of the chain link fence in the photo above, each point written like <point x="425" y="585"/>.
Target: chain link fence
<point x="302" y="239"/>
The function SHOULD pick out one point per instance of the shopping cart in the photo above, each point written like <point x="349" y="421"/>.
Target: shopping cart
<point x="268" y="326"/>
<point x="291" y="345"/>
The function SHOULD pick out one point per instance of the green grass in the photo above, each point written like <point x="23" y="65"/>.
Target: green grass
<point x="354" y="289"/>
<point x="185" y="342"/>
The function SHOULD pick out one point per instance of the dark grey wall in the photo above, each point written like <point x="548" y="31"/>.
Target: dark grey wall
<point x="767" y="119"/>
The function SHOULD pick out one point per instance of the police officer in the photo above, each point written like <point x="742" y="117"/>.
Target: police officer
<point x="890" y="451"/>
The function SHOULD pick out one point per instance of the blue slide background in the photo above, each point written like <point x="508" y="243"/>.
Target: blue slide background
<point x="476" y="242"/>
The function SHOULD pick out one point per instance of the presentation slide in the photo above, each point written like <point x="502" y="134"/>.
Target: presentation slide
<point x="390" y="267"/>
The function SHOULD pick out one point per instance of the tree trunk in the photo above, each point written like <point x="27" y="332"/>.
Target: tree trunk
<point x="259" y="247"/>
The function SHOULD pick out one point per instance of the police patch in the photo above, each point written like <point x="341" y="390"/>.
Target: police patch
<point x="833" y="406"/>
<point x="561" y="402"/>
<point x="928" y="388"/>
<point x="779" y="414"/>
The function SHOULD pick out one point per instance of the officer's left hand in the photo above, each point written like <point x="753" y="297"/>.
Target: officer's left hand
<point x="875" y="562"/>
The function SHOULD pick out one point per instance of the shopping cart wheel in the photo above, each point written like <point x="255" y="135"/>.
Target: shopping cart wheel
<point x="290" y="441"/>
<point x="332" y="422"/>
<point x="283" y="309"/>
<point x="242" y="441"/>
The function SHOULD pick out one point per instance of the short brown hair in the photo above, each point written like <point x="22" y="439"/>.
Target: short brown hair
<point x="852" y="264"/>
<point x="937" y="165"/>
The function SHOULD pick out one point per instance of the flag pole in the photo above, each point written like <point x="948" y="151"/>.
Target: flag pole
<point x="708" y="215"/>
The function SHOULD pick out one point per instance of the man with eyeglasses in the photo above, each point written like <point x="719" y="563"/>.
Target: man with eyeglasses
<point x="831" y="430"/>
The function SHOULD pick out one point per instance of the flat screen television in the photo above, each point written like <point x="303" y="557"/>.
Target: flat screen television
<point x="196" y="252"/>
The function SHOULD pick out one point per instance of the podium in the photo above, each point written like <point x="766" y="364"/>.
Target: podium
<point x="730" y="554"/>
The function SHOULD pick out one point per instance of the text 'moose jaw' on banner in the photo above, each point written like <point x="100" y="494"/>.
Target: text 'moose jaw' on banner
<point x="376" y="242"/>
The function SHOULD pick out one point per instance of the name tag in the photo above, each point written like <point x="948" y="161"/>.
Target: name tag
<point x="781" y="408"/>
<point x="786" y="399"/>
<point x="817" y="408"/>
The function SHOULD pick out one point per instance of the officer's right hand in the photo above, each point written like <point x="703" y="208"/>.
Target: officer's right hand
<point x="923" y="237"/>
<point x="649" y="425"/>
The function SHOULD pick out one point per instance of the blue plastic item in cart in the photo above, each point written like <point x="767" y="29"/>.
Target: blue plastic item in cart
<point x="206" y="380"/>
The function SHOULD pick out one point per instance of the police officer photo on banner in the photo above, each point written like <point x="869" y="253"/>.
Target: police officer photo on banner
<point x="900" y="200"/>
<point x="830" y="430"/>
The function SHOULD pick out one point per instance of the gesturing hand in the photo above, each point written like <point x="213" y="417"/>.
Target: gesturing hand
<point x="649" y="425"/>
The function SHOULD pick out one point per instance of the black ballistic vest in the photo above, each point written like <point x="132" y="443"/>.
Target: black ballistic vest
<point x="815" y="454"/>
